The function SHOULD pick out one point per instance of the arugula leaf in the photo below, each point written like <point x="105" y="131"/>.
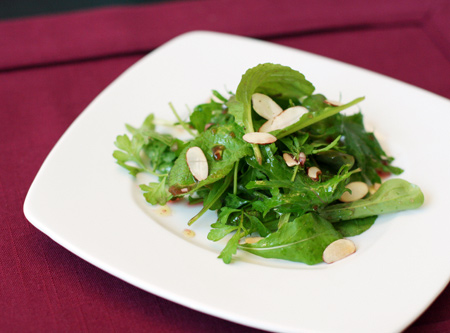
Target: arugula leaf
<point x="218" y="189"/>
<point x="304" y="194"/>
<point x="232" y="245"/>
<point x="368" y="153"/>
<point x="393" y="195"/>
<point x="256" y="224"/>
<point x="220" y="230"/>
<point x="231" y="248"/>
<point x="302" y="240"/>
<point x="311" y="118"/>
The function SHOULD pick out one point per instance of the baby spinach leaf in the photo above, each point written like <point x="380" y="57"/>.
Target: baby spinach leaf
<point x="354" y="227"/>
<point x="394" y="195"/>
<point x="302" y="240"/>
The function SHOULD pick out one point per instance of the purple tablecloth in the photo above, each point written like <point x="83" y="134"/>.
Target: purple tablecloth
<point x="52" y="67"/>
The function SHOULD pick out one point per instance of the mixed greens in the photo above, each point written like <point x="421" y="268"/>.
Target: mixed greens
<point x="275" y="200"/>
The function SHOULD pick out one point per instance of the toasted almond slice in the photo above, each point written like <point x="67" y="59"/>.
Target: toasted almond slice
<point x="259" y="138"/>
<point x="338" y="250"/>
<point x="374" y="188"/>
<point x="314" y="173"/>
<point x="302" y="158"/>
<point x="284" y="119"/>
<point x="290" y="160"/>
<point x="359" y="191"/>
<point x="267" y="126"/>
<point x="265" y="106"/>
<point x="197" y="163"/>
<point x="332" y="103"/>
<point x="253" y="240"/>
<point x="288" y="117"/>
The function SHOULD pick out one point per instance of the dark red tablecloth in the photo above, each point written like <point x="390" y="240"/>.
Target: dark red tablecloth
<point x="52" y="67"/>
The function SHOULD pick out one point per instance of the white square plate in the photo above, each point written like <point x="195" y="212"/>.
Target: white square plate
<point x="84" y="201"/>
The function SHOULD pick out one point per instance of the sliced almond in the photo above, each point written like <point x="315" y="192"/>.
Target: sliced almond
<point x="374" y="188"/>
<point x="197" y="163"/>
<point x="314" y="173"/>
<point x="332" y="103"/>
<point x="259" y="138"/>
<point x="338" y="250"/>
<point x="267" y="126"/>
<point x="290" y="160"/>
<point x="358" y="191"/>
<point x="286" y="118"/>
<point x="265" y="106"/>
<point x="302" y="158"/>
<point x="253" y="240"/>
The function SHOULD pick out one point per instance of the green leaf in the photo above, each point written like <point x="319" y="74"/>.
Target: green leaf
<point x="394" y="195"/>
<point x="368" y="153"/>
<point x="234" y="201"/>
<point x="220" y="230"/>
<point x="202" y="115"/>
<point x="232" y="245"/>
<point x="156" y="193"/>
<point x="302" y="240"/>
<point x="354" y="227"/>
<point x="231" y="248"/>
<point x="129" y="158"/>
<point x="311" y="118"/>
<point x="214" y="195"/>
<point x="234" y="148"/>
<point x="315" y="103"/>
<point x="258" y="225"/>
<point x="160" y="150"/>
<point x="269" y="79"/>
<point x="303" y="194"/>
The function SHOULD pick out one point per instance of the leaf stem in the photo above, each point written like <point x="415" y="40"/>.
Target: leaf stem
<point x="182" y="123"/>
<point x="150" y="171"/>
<point x="295" y="173"/>
<point x="235" y="177"/>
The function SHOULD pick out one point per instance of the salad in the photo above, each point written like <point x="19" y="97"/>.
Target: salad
<point x="289" y="175"/>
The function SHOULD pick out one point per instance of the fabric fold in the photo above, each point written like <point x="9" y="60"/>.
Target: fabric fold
<point x="129" y="29"/>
